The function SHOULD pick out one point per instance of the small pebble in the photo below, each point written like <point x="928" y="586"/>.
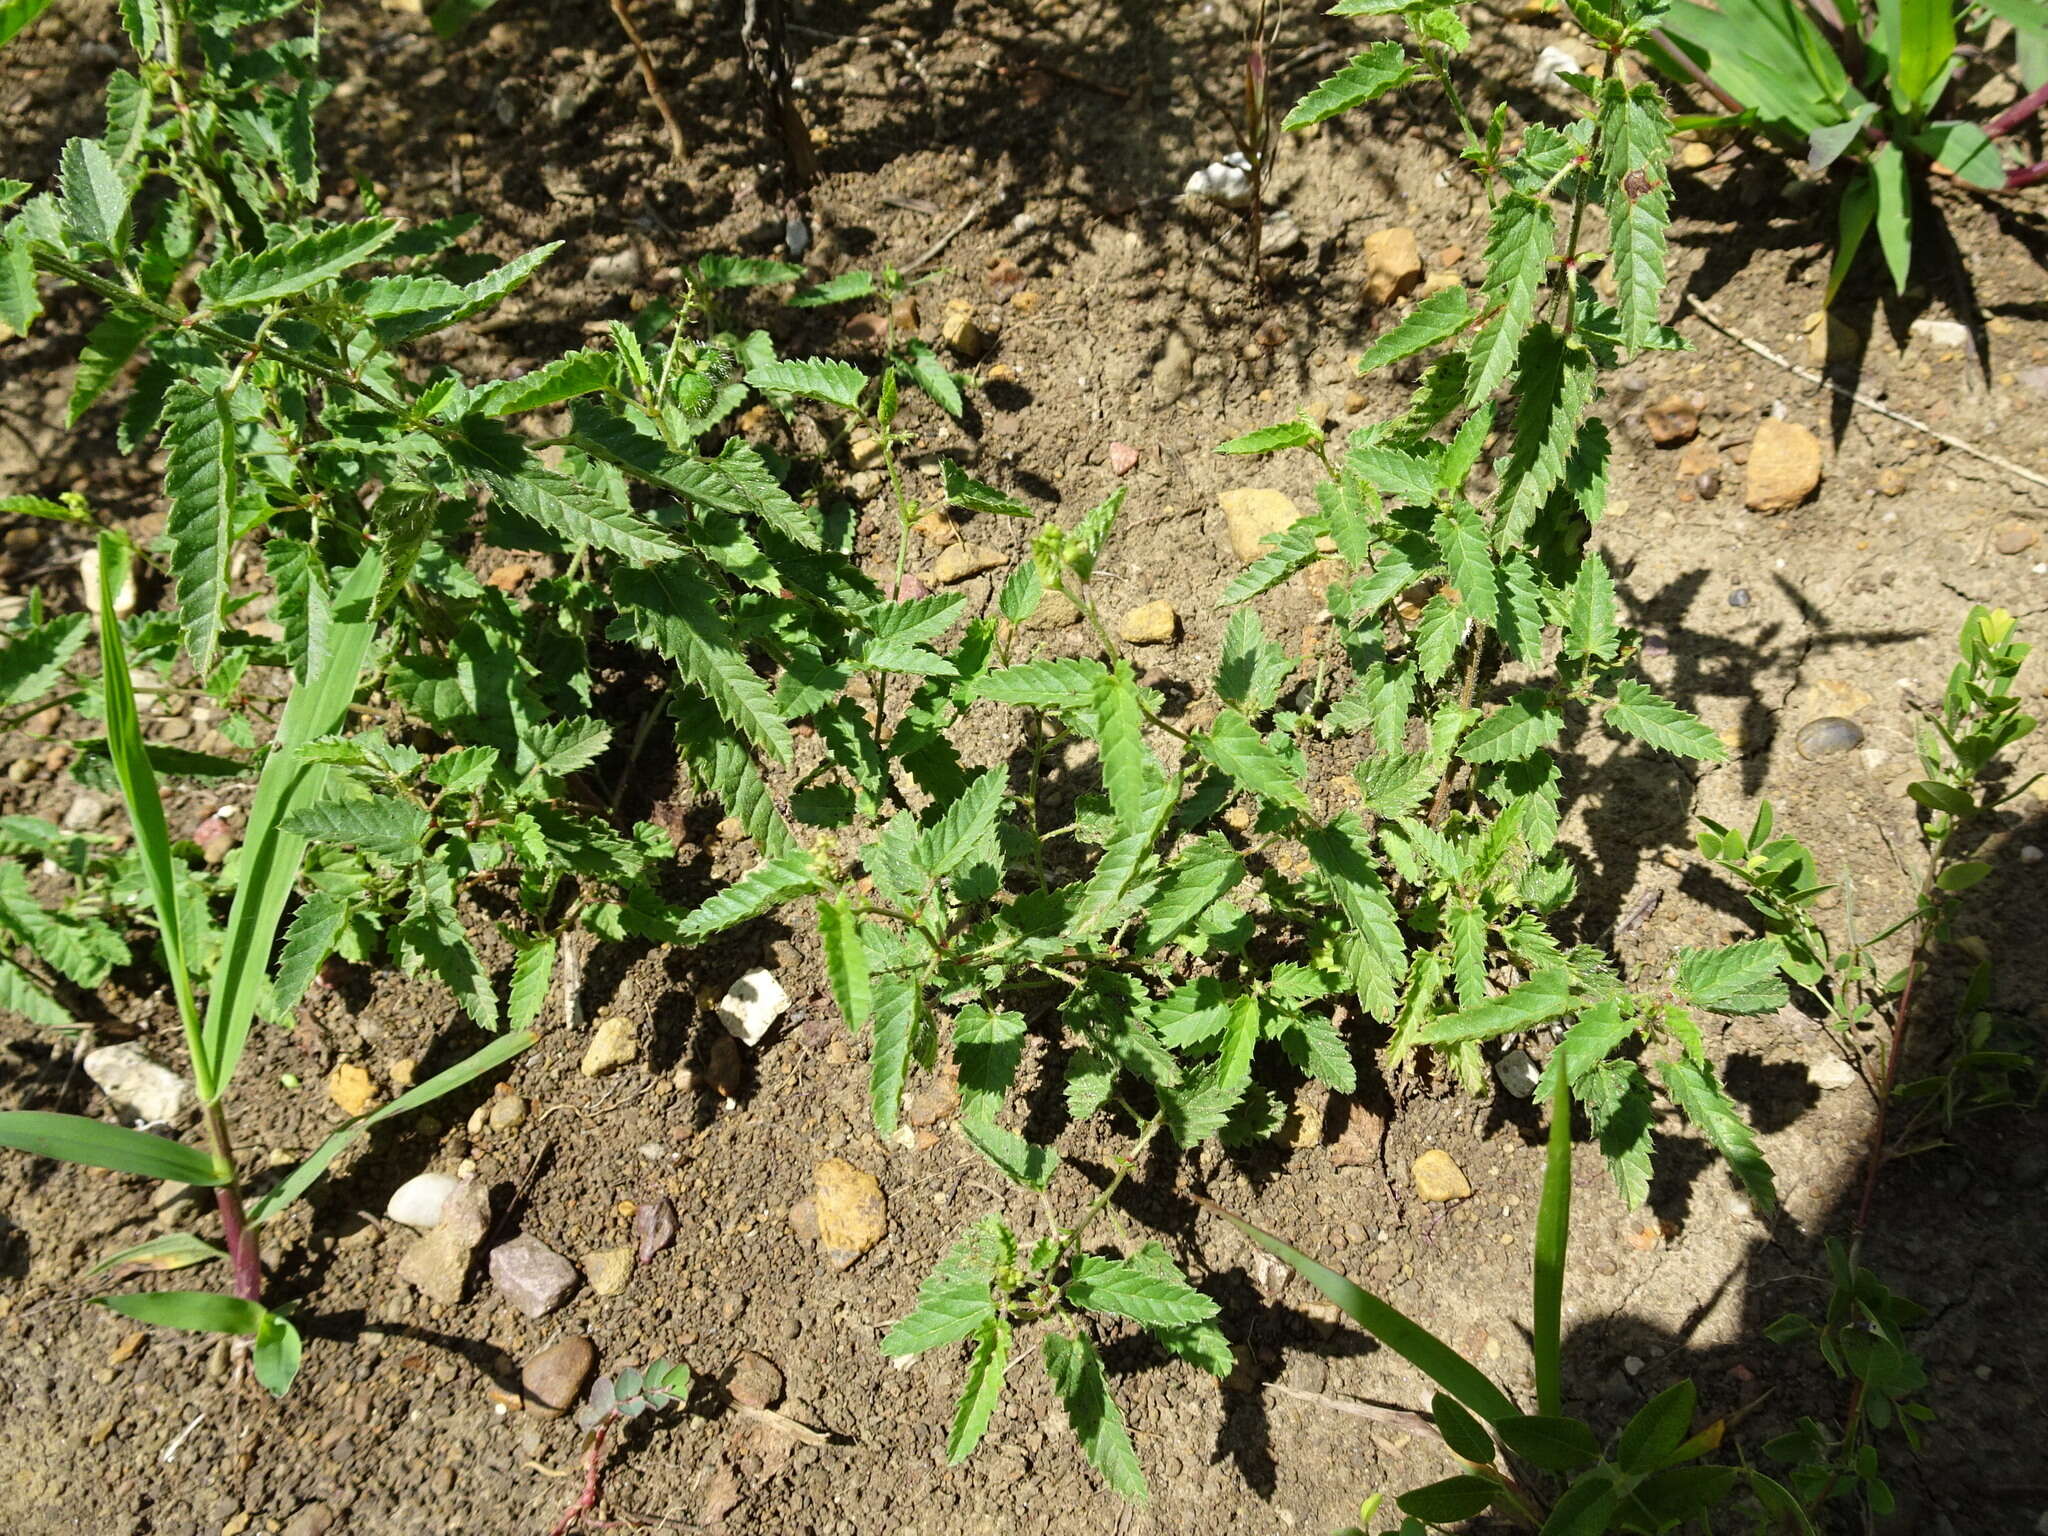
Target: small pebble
<point x="1739" y="598"/>
<point x="1829" y="736"/>
<point x="418" y="1202"/>
<point x="554" y="1379"/>
<point x="508" y="1112"/>
<point x="654" y="1227"/>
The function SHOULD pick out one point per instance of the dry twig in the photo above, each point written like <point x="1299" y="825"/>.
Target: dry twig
<point x="647" y="78"/>
<point x="1414" y="1423"/>
<point x="1708" y="314"/>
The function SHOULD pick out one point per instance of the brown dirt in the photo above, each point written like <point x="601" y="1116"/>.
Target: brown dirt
<point x="1066" y="129"/>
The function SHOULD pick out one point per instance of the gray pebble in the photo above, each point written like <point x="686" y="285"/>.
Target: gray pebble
<point x="1829" y="736"/>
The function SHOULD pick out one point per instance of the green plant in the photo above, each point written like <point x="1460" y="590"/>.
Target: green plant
<point x="1962" y="746"/>
<point x="293" y="779"/>
<point x="1163" y="923"/>
<point x="1554" y="1472"/>
<point x="278" y="357"/>
<point x="619" y="1399"/>
<point x="1866" y="90"/>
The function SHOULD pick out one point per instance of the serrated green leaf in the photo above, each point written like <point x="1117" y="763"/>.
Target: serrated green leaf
<point x="93" y="195"/>
<point x="1694" y="1088"/>
<point x="898" y="1001"/>
<point x="200" y="479"/>
<point x="1433" y="320"/>
<point x="817" y="378"/>
<point x="108" y="347"/>
<point x="315" y="929"/>
<point x="261" y="277"/>
<point x="1341" y="852"/>
<point x="963" y="490"/>
<point x="1461" y="538"/>
<point x="761" y="889"/>
<point x="533" y="975"/>
<point x="1592" y="624"/>
<point x="1061" y="686"/>
<point x="566" y="377"/>
<point x="1543" y="996"/>
<point x="20" y="300"/>
<point x="1130" y="773"/>
<point x="978" y="1395"/>
<point x="1314" y="1044"/>
<point x="1520" y="615"/>
<point x="1621" y="1111"/>
<point x="834" y="290"/>
<point x="1199" y="875"/>
<point x="1640" y="713"/>
<point x="1083" y="1391"/>
<point x="1439" y="631"/>
<point x="666" y="606"/>
<point x="955" y="1300"/>
<point x="17" y="14"/>
<point x="386" y="825"/>
<point x="1527" y="723"/>
<point x="1519" y="244"/>
<point x="846" y="962"/>
<point x="559" y="504"/>
<point x="1235" y="746"/>
<point x="1740" y="978"/>
<point x="1369" y="76"/>
<point x="1275" y="439"/>
<point x="1554" y="386"/>
<point x="1139" y="1292"/>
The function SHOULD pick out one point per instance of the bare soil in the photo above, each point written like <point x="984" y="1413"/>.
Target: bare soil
<point x="1054" y="136"/>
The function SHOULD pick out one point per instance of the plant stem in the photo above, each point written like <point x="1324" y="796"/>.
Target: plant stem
<point x="1553" y="1234"/>
<point x="2016" y="114"/>
<point x="1100" y="1203"/>
<point x="240" y="1237"/>
<point x="593" y="1474"/>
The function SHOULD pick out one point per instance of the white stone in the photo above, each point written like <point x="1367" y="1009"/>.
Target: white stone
<point x="89" y="579"/>
<point x="419" y="1201"/>
<point x="1833" y="1072"/>
<point x="753" y="1005"/>
<point x="1518" y="1073"/>
<point x="1227" y="181"/>
<point x="139" y="1089"/>
<point x="1942" y="333"/>
<point x="1550" y="64"/>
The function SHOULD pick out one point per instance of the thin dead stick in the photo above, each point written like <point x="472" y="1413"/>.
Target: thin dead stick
<point x="1707" y="313"/>
<point x="647" y="78"/>
<point x="1414" y="1423"/>
<point x="931" y="252"/>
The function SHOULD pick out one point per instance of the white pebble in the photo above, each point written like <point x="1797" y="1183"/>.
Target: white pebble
<point x="2029" y="854"/>
<point x="1633" y="1365"/>
<point x="417" y="1202"/>
<point x="750" y="1009"/>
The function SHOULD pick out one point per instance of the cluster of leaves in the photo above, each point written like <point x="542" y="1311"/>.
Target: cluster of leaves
<point x="275" y="350"/>
<point x="1962" y="749"/>
<point x="985" y="1288"/>
<point x="1226" y="901"/>
<point x="634" y="1391"/>
<point x="1859" y="89"/>
<point x="1862" y="1337"/>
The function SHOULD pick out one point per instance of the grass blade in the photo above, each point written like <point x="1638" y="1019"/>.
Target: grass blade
<point x="1392" y="1327"/>
<point x="271" y="861"/>
<point x="82" y="1139"/>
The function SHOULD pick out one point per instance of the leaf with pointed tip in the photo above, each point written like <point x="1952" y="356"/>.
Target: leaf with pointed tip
<point x="978" y="1395"/>
<point x="1370" y="75"/>
<point x="80" y="1139"/>
<point x="817" y="378"/>
<point x="667" y="606"/>
<point x="262" y="277"/>
<point x="1694" y="1088"/>
<point x="1433" y="320"/>
<point x="1234" y="745"/>
<point x="846" y="962"/>
<point x="93" y="195"/>
<point x="1638" y="711"/>
<point x="1519" y="244"/>
<point x="1554" y="384"/>
<point x="199" y="477"/>
<point x="1083" y="1391"/>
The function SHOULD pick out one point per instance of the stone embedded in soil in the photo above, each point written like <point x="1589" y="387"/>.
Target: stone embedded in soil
<point x="1055" y="610"/>
<point x="1174" y="372"/>
<point x="507" y="578"/>
<point x="1829" y="696"/>
<point x="756" y="1381"/>
<point x="137" y="1087"/>
<point x="654" y="1227"/>
<point x="1438" y="1179"/>
<point x="2014" y="539"/>
<point x="437" y="1264"/>
<point x="508" y="1112"/>
<point x="1671" y="421"/>
<point x="1252" y="512"/>
<point x="1833" y="1072"/>
<point x="852" y="1214"/>
<point x="84" y="812"/>
<point x="725" y="1069"/>
<point x="1153" y="623"/>
<point x="351" y="1089"/>
<point x="1358" y="1143"/>
<point x="613" y="1044"/>
<point x="937" y="529"/>
<point x="1829" y="736"/>
<point x="622" y="268"/>
<point x="553" y="1380"/>
<point x="721" y="1495"/>
<point x="961" y="332"/>
<point x="751" y="1006"/>
<point x="313" y="1520"/>
<point x="1518" y="1073"/>
<point x="963" y="562"/>
<point x="420" y="1200"/>
<point x="1393" y="264"/>
<point x="1784" y="466"/>
<point x="1123" y="458"/>
<point x="531" y="1276"/>
<point x="608" y="1270"/>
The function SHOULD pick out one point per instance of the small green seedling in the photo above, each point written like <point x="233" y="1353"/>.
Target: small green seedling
<point x="614" y="1400"/>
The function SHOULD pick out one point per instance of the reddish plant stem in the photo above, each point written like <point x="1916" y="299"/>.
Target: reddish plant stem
<point x="593" y="1473"/>
<point x="2026" y="175"/>
<point x="2019" y="112"/>
<point x="243" y="1257"/>
<point x="1902" y="1017"/>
